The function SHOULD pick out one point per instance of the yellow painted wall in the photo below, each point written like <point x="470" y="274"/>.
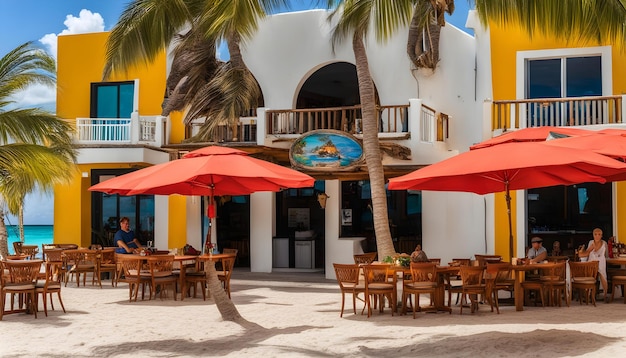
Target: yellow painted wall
<point x="505" y="43"/>
<point x="81" y="60"/>
<point x="177" y="224"/>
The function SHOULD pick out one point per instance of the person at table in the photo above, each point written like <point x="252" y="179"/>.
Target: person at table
<point x="556" y="249"/>
<point x="419" y="255"/>
<point x="597" y="251"/>
<point x="125" y="238"/>
<point x="537" y="253"/>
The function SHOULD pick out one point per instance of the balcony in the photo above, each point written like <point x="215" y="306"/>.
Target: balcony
<point x="397" y="122"/>
<point x="148" y="130"/>
<point x="572" y="111"/>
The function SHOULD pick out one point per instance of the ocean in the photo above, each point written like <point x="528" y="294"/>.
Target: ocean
<point x="33" y="235"/>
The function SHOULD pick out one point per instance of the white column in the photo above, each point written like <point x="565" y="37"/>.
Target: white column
<point x="262" y="207"/>
<point x="161" y="215"/>
<point x="194" y="225"/>
<point x="332" y="226"/>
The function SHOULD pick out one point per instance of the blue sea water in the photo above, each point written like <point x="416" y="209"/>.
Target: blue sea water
<point x="33" y="235"/>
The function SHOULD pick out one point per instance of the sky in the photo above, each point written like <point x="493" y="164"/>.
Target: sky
<point x="42" y="21"/>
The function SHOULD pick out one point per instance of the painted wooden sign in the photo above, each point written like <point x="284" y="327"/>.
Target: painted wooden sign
<point x="326" y="150"/>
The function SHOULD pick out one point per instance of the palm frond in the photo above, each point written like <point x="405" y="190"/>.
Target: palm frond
<point x="144" y="30"/>
<point x="24" y="66"/>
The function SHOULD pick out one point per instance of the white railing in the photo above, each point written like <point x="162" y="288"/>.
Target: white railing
<point x="427" y="124"/>
<point x="151" y="130"/>
<point x="571" y="111"/>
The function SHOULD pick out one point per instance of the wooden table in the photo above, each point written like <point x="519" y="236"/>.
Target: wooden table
<point x="519" y="271"/>
<point x="442" y="273"/>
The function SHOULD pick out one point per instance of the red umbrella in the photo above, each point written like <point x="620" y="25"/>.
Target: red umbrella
<point x="208" y="171"/>
<point x="611" y="143"/>
<point x="511" y="166"/>
<point x="531" y="134"/>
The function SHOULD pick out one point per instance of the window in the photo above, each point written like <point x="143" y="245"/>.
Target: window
<point x="112" y="99"/>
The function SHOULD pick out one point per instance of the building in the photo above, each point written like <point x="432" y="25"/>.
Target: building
<point x="306" y="86"/>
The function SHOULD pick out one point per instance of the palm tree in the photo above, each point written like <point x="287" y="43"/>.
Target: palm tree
<point x="36" y="148"/>
<point x="572" y="20"/>
<point x="424" y="31"/>
<point x="356" y="16"/>
<point x="219" y="92"/>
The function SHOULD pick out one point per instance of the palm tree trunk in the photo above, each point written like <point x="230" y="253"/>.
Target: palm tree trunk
<point x="227" y="308"/>
<point x="20" y="221"/>
<point x="373" y="157"/>
<point x="4" y="235"/>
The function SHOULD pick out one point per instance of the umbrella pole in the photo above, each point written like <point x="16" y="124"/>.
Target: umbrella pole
<point x="507" y="196"/>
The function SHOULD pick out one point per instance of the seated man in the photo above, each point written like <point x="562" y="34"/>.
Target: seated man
<point x="537" y="252"/>
<point x="125" y="238"/>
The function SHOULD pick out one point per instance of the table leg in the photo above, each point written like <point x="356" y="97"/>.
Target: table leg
<point x="519" y="292"/>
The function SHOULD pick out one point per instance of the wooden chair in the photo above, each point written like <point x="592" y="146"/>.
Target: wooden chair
<point x="380" y="283"/>
<point x="45" y="247"/>
<point x="472" y="286"/>
<point x="134" y="276"/>
<point x="423" y="280"/>
<point x="435" y="261"/>
<point x="55" y="256"/>
<point x="583" y="276"/>
<point x="228" y="264"/>
<point x="497" y="278"/>
<point x="231" y="252"/>
<point x="82" y="261"/>
<point x="196" y="277"/>
<point x="51" y="284"/>
<point x="109" y="264"/>
<point x="365" y="259"/>
<point x="483" y="259"/>
<point x="616" y="281"/>
<point x="553" y="280"/>
<point x="455" y="288"/>
<point x="161" y="274"/>
<point x="348" y="279"/>
<point x="20" y="280"/>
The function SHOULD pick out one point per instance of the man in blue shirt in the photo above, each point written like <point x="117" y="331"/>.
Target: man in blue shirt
<point x="125" y="238"/>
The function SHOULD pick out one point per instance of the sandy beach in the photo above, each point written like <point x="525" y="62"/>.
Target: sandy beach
<point x="299" y="317"/>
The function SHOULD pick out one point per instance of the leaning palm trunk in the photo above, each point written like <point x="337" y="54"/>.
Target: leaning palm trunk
<point x="224" y="304"/>
<point x="4" y="236"/>
<point x="373" y="157"/>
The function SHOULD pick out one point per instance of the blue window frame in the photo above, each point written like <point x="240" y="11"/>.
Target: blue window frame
<point x="112" y="99"/>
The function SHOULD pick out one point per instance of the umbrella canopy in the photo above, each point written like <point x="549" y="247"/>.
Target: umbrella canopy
<point x="611" y="143"/>
<point x="531" y="134"/>
<point x="511" y="166"/>
<point x="208" y="171"/>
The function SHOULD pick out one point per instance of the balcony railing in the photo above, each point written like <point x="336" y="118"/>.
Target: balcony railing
<point x="135" y="130"/>
<point x="392" y="119"/>
<point x="572" y="111"/>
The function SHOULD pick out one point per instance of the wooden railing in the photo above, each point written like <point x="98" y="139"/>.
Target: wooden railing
<point x="392" y="119"/>
<point x="572" y="111"/>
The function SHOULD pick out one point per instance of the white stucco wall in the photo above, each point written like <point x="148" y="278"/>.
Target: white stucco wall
<point x="290" y="47"/>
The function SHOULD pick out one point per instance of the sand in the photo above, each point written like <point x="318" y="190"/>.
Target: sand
<point x="299" y="316"/>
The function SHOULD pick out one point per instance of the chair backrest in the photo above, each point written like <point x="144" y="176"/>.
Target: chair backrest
<point x="230" y="251"/>
<point x="500" y="271"/>
<point x="22" y="271"/>
<point x="17" y="247"/>
<point x="583" y="269"/>
<point x="423" y="272"/>
<point x="107" y="256"/>
<point x="435" y="261"/>
<point x="73" y="257"/>
<point x="53" y="254"/>
<point x="67" y="246"/>
<point x="227" y="265"/>
<point x="471" y="275"/>
<point x="161" y="265"/>
<point x="483" y="259"/>
<point x="130" y="265"/>
<point x="460" y="262"/>
<point x="366" y="258"/>
<point x="45" y="247"/>
<point x="346" y="274"/>
<point x="378" y="273"/>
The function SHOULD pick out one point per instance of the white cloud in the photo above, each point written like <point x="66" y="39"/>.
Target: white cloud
<point x="86" y="22"/>
<point x="39" y="95"/>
